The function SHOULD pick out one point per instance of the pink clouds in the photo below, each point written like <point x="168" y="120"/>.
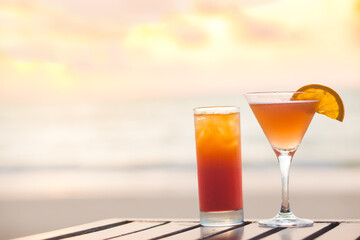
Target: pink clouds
<point x="135" y="48"/>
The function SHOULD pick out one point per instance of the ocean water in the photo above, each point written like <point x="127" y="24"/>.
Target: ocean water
<point x="58" y="150"/>
<point x="154" y="133"/>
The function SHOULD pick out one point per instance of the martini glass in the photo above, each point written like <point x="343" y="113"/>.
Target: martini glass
<point x="284" y="121"/>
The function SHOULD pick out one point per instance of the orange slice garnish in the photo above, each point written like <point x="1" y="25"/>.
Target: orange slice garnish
<point x="330" y="103"/>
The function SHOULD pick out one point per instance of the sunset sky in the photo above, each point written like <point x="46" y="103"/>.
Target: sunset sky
<point x="129" y="49"/>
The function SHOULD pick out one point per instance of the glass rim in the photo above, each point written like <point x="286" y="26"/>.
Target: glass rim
<point x="280" y="92"/>
<point x="282" y="96"/>
<point x="216" y="110"/>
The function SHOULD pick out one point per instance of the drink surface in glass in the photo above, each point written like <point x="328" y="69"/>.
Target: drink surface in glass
<point x="217" y="134"/>
<point x="284" y="121"/>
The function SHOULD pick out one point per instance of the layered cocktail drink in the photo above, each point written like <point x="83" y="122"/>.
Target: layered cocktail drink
<point x="218" y="149"/>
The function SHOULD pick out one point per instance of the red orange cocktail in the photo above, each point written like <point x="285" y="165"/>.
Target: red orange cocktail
<point x="217" y="133"/>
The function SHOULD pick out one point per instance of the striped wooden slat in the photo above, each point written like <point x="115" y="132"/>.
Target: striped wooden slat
<point x="154" y="233"/>
<point x="297" y="233"/>
<point x="196" y="233"/>
<point x="343" y="231"/>
<point x="246" y="232"/>
<point x="191" y="229"/>
<point x="119" y="231"/>
<point x="77" y="229"/>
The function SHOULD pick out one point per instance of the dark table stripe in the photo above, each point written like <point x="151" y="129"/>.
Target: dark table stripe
<point x="176" y="232"/>
<point x="137" y="231"/>
<point x="322" y="231"/>
<point x="267" y="233"/>
<point x="90" y="230"/>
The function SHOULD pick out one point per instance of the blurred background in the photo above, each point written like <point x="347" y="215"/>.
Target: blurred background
<point x="96" y="102"/>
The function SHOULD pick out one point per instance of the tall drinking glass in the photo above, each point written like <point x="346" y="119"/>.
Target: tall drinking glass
<point x="284" y="121"/>
<point x="217" y="135"/>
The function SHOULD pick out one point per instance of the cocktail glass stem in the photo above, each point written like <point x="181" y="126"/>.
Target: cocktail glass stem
<point x="285" y="162"/>
<point x="285" y="218"/>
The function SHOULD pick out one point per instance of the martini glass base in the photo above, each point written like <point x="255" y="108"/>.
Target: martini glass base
<point x="286" y="220"/>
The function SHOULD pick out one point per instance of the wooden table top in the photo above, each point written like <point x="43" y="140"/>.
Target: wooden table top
<point x="172" y="229"/>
